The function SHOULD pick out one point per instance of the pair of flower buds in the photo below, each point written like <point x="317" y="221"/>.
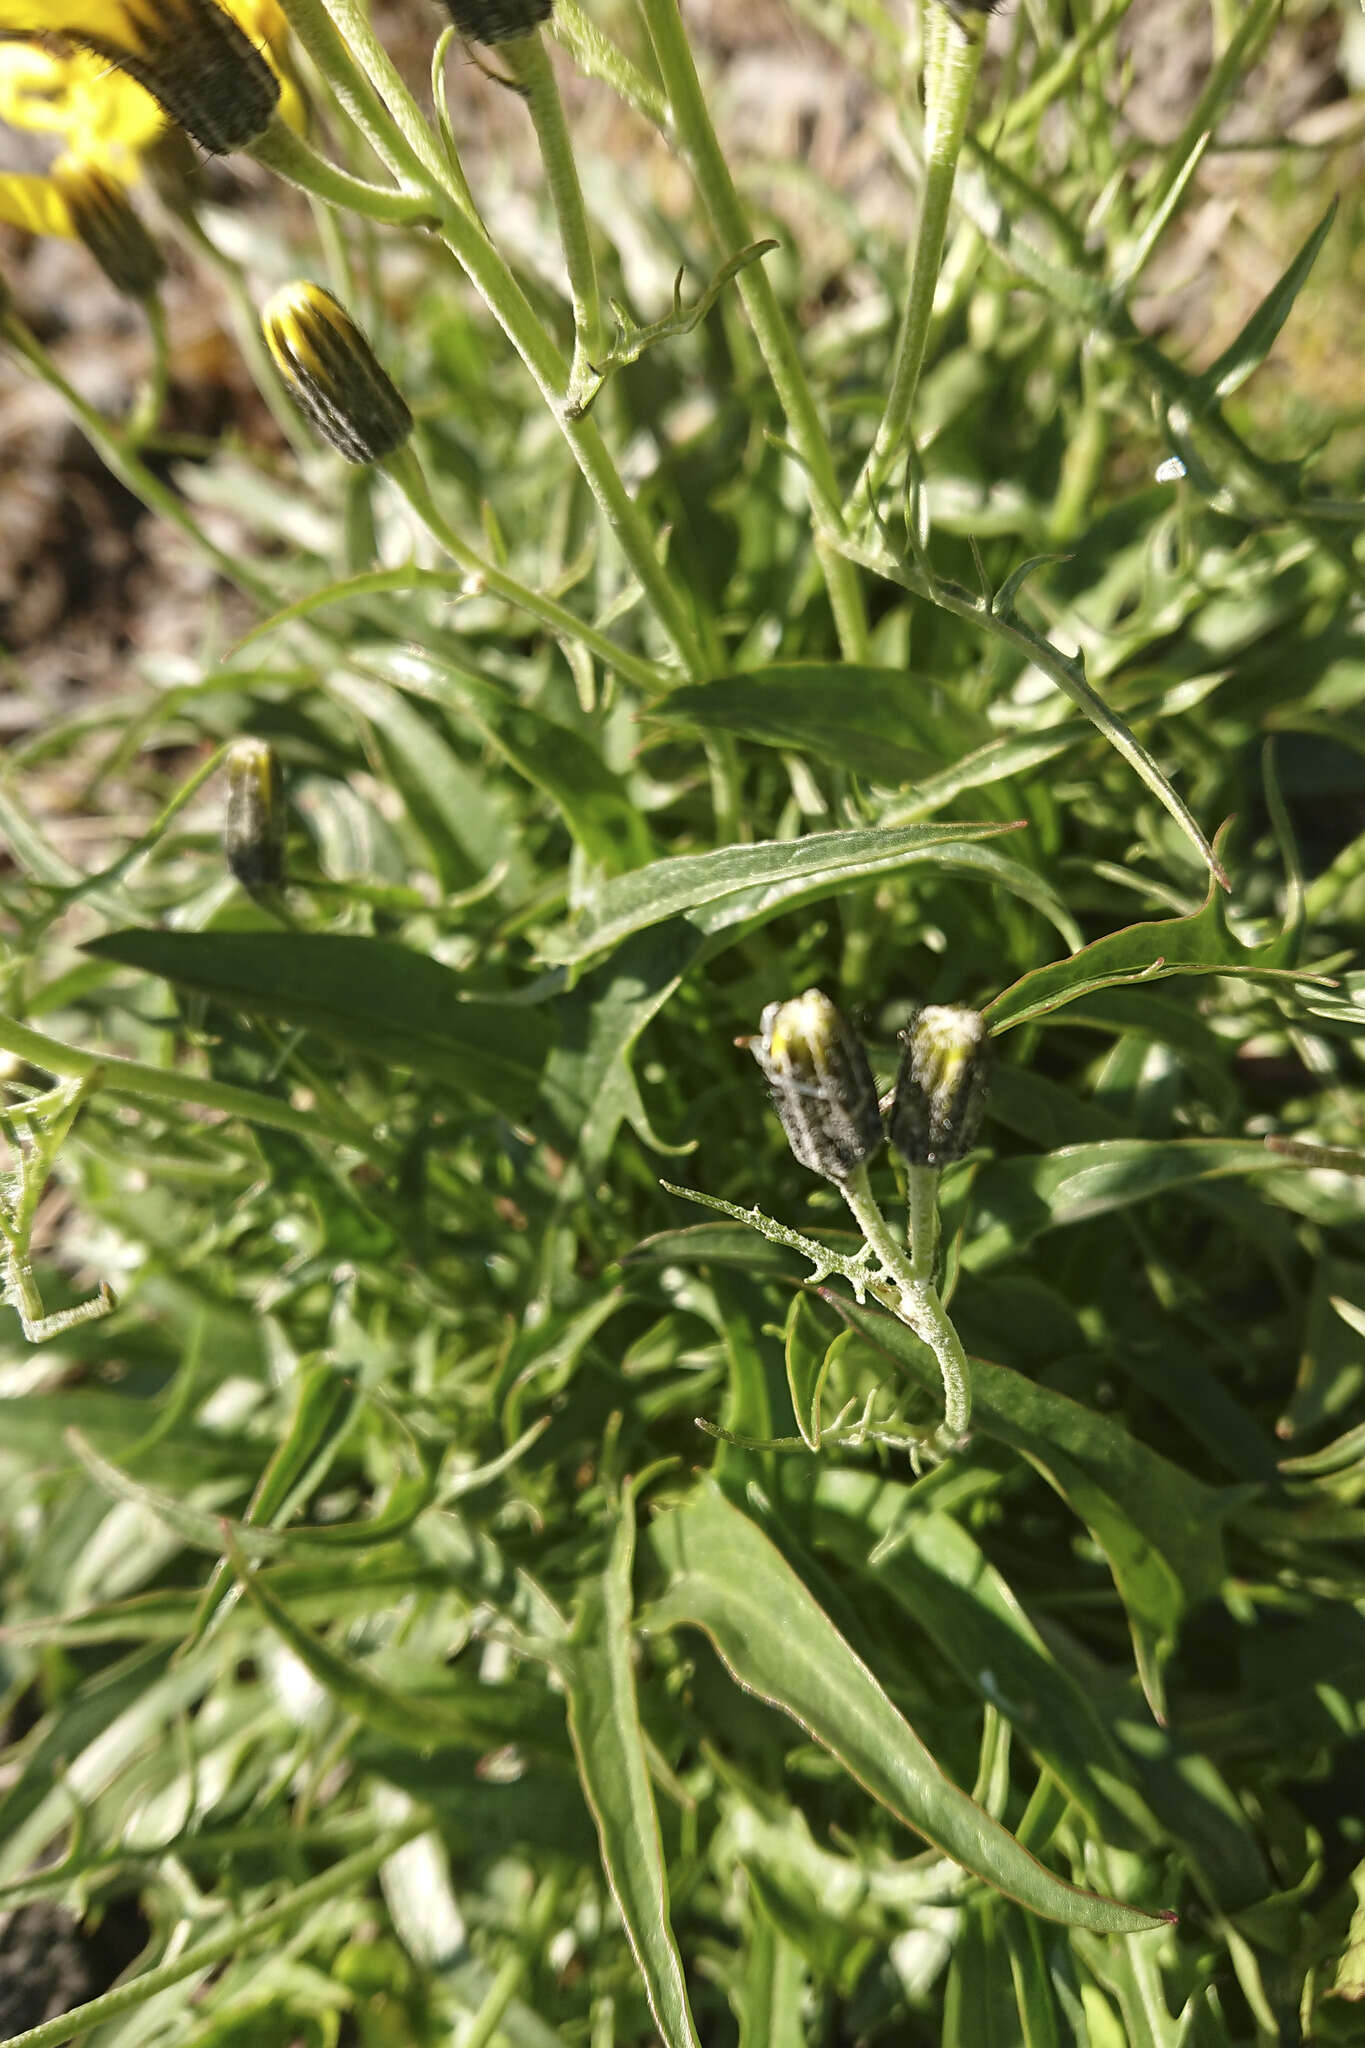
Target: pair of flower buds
<point x="823" y="1090"/>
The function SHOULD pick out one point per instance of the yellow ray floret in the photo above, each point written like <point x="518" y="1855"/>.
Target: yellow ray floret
<point x="79" y="199"/>
<point x="75" y="95"/>
<point x="215" y="70"/>
<point x="33" y="203"/>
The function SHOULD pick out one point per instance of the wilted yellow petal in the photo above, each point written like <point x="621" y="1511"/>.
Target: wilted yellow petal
<point x="33" y="203"/>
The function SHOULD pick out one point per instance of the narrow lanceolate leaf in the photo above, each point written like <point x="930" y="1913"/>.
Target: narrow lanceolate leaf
<point x="808" y="1359"/>
<point x="727" y="1579"/>
<point x="1160" y="1528"/>
<point x="384" y="1001"/>
<point x="1198" y="944"/>
<point x="882" y="723"/>
<point x="1015" y="1200"/>
<point x="604" y="1723"/>
<point x="775" y="874"/>
<point x="1257" y="338"/>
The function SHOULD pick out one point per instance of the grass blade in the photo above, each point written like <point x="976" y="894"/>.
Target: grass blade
<point x="604" y="1723"/>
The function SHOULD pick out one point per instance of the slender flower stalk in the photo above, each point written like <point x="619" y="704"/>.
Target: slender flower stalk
<point x="406" y="472"/>
<point x="281" y="150"/>
<point x="919" y="1307"/>
<point x="123" y="461"/>
<point x="529" y="63"/>
<point x="150" y="403"/>
<point x="953" y="58"/>
<point x="777" y="343"/>
<point x="357" y="62"/>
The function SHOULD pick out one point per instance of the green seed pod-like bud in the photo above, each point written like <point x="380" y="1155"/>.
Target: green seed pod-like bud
<point x="253" y="835"/>
<point x="102" y="215"/>
<point x="821" y="1082"/>
<point x="941" y="1087"/>
<point x="497" y="21"/>
<point x="333" y="374"/>
<point x="193" y="58"/>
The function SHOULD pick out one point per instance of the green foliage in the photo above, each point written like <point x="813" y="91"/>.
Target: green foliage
<point x="451" y="1592"/>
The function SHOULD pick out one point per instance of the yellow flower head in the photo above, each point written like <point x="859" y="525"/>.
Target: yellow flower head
<point x="81" y="200"/>
<point x="194" y="57"/>
<point x="334" y="375"/>
<point x="101" y="113"/>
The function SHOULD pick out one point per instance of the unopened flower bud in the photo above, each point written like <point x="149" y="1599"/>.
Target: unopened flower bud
<point x="941" y="1087"/>
<point x="102" y="215"/>
<point x="194" y="59"/>
<point x="821" y="1083"/>
<point x="333" y="374"/>
<point x="497" y="21"/>
<point x="253" y="834"/>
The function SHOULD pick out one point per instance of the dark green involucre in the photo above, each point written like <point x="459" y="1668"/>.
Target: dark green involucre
<point x="200" y="66"/>
<point x="334" y="376"/>
<point x="497" y="21"/>
<point x="253" y="830"/>
<point x="102" y="215"/>
<point x="941" y="1086"/>
<point x="821" y="1083"/>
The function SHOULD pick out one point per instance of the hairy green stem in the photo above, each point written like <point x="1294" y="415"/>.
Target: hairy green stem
<point x="151" y="400"/>
<point x="922" y="1221"/>
<point x="699" y="141"/>
<point x="353" y="86"/>
<point x="493" y="280"/>
<point x="406" y="471"/>
<point x="246" y="326"/>
<point x="919" y="1305"/>
<point x="530" y="66"/>
<point x="953" y="60"/>
<point x="459" y="183"/>
<point x="289" y="156"/>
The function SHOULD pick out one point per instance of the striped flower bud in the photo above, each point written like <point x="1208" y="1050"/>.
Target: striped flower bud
<point x="497" y="21"/>
<point x="334" y="376"/>
<point x="941" y="1087"/>
<point x="821" y="1083"/>
<point x="253" y="832"/>
<point x="191" y="56"/>
<point x="102" y="215"/>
